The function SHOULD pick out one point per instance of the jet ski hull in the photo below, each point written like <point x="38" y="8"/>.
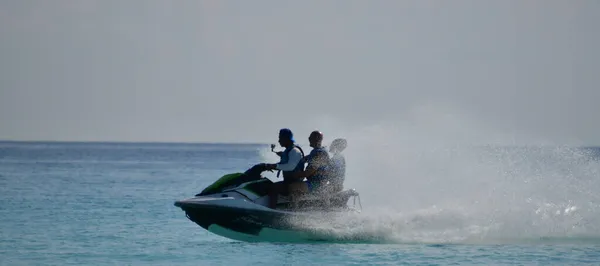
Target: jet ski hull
<point x="248" y="220"/>
<point x="245" y="221"/>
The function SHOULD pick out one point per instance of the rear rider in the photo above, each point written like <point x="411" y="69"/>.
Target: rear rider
<point x="337" y="167"/>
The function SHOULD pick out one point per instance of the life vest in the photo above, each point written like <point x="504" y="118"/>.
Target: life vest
<point x="284" y="159"/>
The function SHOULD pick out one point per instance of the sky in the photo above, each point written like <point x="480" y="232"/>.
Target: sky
<point x="238" y="71"/>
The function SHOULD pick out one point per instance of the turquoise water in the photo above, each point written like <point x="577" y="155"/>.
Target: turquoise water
<point x="112" y="203"/>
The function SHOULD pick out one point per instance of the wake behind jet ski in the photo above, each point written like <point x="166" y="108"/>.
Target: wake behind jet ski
<point x="236" y="206"/>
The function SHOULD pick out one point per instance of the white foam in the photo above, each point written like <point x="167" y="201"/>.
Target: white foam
<point x="430" y="178"/>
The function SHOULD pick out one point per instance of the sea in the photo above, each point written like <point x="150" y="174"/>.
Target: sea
<point x="78" y="203"/>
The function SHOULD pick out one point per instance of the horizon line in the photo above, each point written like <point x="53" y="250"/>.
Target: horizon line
<point x="130" y="142"/>
<point x="232" y="143"/>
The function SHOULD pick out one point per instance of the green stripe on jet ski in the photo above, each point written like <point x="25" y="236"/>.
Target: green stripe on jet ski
<point x="217" y="184"/>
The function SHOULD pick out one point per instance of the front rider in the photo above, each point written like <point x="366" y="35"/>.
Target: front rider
<point x="291" y="162"/>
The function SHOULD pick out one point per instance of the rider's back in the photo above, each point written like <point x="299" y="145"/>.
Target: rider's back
<point x="337" y="167"/>
<point x="337" y="172"/>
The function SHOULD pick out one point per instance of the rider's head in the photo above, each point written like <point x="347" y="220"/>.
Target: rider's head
<point x="338" y="145"/>
<point x="315" y="139"/>
<point x="286" y="137"/>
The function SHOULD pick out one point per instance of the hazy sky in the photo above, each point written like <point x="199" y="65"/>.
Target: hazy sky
<point x="142" y="70"/>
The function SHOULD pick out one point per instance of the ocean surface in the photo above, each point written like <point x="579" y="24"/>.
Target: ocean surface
<point x="112" y="204"/>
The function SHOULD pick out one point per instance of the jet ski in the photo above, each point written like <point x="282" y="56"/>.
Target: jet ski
<point x="236" y="206"/>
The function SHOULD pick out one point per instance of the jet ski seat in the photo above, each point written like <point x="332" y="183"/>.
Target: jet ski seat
<point x="321" y="200"/>
<point x="323" y="194"/>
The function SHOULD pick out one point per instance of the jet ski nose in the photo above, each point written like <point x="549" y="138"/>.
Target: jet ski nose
<point x="203" y="202"/>
<point x="184" y="203"/>
<point x="181" y="203"/>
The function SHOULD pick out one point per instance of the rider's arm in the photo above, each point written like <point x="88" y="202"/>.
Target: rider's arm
<point x="314" y="164"/>
<point x="294" y="158"/>
<point x="310" y="170"/>
<point x="279" y="153"/>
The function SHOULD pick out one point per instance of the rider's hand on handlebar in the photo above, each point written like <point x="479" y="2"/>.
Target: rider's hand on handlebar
<point x="271" y="167"/>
